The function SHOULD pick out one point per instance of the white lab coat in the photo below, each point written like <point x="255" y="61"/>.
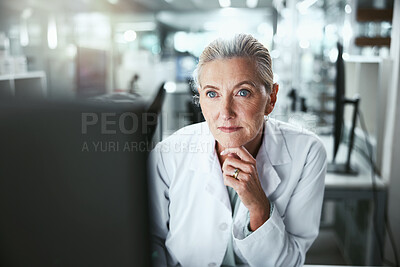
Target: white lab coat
<point x="191" y="211"/>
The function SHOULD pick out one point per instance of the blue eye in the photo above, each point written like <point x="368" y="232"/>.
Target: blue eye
<point x="211" y="94"/>
<point x="243" y="92"/>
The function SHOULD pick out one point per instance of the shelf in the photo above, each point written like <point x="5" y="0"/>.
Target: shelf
<point x="372" y="41"/>
<point x="373" y="14"/>
<point x="24" y="85"/>
<point x="27" y="75"/>
<point x="363" y="59"/>
<point x="6" y="77"/>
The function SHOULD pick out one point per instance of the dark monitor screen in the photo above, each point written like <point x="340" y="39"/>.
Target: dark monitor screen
<point x="339" y="100"/>
<point x="73" y="189"/>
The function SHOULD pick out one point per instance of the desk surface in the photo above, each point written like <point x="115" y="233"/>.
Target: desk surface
<point x="362" y="180"/>
<point x="311" y="265"/>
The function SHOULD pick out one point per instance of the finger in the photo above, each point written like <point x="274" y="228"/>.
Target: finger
<point x="230" y="181"/>
<point x="230" y="170"/>
<point x="241" y="152"/>
<point x="238" y="164"/>
<point x="241" y="176"/>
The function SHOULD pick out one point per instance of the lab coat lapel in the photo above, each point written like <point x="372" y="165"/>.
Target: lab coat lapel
<point x="206" y="164"/>
<point x="216" y="187"/>
<point x="268" y="177"/>
<point x="273" y="152"/>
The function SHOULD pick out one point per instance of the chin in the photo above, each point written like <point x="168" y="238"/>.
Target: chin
<point x="230" y="142"/>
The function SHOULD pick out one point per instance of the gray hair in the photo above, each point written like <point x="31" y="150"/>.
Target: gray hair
<point x="241" y="45"/>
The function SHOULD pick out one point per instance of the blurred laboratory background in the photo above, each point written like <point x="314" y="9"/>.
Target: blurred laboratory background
<point x="336" y="61"/>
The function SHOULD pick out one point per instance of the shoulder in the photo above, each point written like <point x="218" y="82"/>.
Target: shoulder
<point x="298" y="138"/>
<point x="179" y="149"/>
<point x="288" y="128"/>
<point x="186" y="135"/>
<point x="187" y="140"/>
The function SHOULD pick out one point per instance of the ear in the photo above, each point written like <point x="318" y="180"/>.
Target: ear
<point x="272" y="99"/>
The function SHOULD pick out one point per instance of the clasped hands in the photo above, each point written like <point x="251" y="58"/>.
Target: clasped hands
<point x="247" y="185"/>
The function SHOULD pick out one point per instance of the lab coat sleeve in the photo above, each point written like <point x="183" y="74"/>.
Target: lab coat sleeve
<point x="284" y="239"/>
<point x="159" y="203"/>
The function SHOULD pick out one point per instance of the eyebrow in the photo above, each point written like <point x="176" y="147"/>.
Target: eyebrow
<point x="237" y="85"/>
<point x="246" y="82"/>
<point x="210" y="86"/>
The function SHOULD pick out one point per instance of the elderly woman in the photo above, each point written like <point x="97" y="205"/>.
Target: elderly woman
<point x="238" y="189"/>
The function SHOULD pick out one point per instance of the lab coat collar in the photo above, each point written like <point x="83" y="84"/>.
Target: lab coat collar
<point x="204" y="161"/>
<point x="206" y="164"/>
<point x="273" y="151"/>
<point x="274" y="143"/>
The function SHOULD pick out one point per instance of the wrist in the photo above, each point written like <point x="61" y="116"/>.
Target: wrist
<point x="258" y="217"/>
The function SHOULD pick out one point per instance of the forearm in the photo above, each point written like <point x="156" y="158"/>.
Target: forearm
<point x="248" y="229"/>
<point x="272" y="245"/>
<point x="260" y="216"/>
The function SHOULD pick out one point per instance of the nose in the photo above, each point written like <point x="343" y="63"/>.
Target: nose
<point x="227" y="109"/>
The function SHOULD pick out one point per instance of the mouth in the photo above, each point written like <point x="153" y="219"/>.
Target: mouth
<point x="229" y="129"/>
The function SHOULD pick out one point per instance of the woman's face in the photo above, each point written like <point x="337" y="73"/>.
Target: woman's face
<point x="234" y="102"/>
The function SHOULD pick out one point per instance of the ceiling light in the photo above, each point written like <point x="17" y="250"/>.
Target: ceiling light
<point x="347" y="9"/>
<point x="251" y="3"/>
<point x="304" y="44"/>
<point x="130" y="35"/>
<point x="52" y="33"/>
<point x="23" y="34"/>
<point x="225" y="3"/>
<point x="170" y="87"/>
<point x="333" y="53"/>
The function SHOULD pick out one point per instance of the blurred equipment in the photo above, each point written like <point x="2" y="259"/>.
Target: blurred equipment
<point x="303" y="104"/>
<point x="152" y="111"/>
<point x="185" y="65"/>
<point x="4" y="46"/>
<point x="293" y="97"/>
<point x="91" y="72"/>
<point x="133" y="85"/>
<point x="295" y="105"/>
<point x="340" y="102"/>
<point x="15" y="80"/>
<point x="73" y="187"/>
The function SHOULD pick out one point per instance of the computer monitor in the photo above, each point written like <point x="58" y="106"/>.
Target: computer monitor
<point x="340" y="102"/>
<point x="73" y="189"/>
